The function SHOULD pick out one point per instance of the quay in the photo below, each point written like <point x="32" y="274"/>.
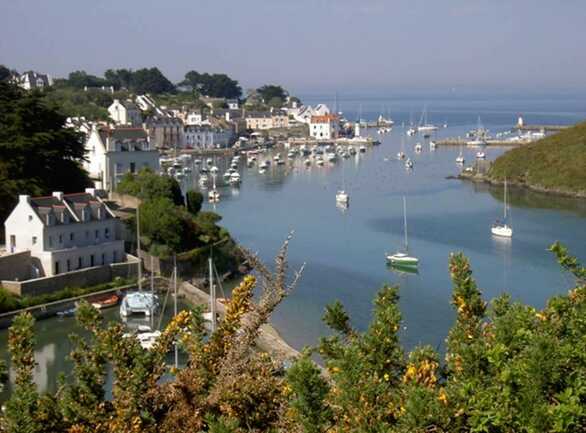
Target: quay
<point x="464" y="142"/>
<point x="332" y="141"/>
<point x="544" y="128"/>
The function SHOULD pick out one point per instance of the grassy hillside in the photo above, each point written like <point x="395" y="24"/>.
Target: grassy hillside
<point x="556" y="163"/>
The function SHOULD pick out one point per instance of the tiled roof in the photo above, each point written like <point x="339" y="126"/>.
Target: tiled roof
<point x="72" y="205"/>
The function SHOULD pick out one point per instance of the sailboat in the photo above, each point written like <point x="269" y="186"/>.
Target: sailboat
<point x="502" y="228"/>
<point x="214" y="195"/>
<point x="460" y="159"/>
<point x="139" y="302"/>
<point x="402" y="258"/>
<point x="411" y="131"/>
<point x="342" y="197"/>
<point x="423" y="125"/>
<point x="479" y="135"/>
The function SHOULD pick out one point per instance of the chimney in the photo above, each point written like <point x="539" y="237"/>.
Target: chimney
<point x="58" y="195"/>
<point x="24" y="198"/>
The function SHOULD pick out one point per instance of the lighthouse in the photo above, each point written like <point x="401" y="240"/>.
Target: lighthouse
<point x="520" y="122"/>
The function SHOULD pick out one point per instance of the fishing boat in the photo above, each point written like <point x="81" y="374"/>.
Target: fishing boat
<point x="106" y="301"/>
<point x="402" y="257"/>
<point x="501" y="228"/>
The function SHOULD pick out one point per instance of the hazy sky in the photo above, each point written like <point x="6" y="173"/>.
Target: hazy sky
<point x="310" y="45"/>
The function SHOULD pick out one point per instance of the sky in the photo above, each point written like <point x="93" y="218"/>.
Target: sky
<point x="311" y="46"/>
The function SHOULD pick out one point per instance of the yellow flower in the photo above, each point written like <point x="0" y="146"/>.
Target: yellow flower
<point x="443" y="396"/>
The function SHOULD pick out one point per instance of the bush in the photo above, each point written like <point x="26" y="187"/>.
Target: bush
<point x="194" y="201"/>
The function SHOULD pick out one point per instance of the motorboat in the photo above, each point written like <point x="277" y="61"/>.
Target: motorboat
<point x="307" y="162"/>
<point x="103" y="302"/>
<point x="400" y="155"/>
<point x="319" y="161"/>
<point x="146" y="337"/>
<point x="210" y="161"/>
<point x="411" y="131"/>
<point x="146" y="303"/>
<point x="352" y="150"/>
<point x="480" y="155"/>
<point x="408" y="164"/>
<point x="432" y="145"/>
<point x="331" y="157"/>
<point x="342" y="197"/>
<point x="418" y="148"/>
<point x="460" y="159"/>
<point x="214" y="169"/>
<point x="234" y="179"/>
<point x="362" y="149"/>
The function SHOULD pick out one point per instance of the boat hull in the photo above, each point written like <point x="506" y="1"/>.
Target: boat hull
<point x="502" y="231"/>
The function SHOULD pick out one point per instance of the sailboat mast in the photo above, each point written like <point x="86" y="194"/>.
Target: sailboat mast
<point x="505" y="199"/>
<point x="212" y="295"/>
<point x="405" y="222"/>
<point x="139" y="271"/>
<point x="175" y="304"/>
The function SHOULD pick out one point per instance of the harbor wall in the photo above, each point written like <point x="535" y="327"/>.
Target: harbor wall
<point x="16" y="266"/>
<point x="80" y="278"/>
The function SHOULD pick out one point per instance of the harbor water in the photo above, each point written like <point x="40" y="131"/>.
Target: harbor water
<point x="344" y="250"/>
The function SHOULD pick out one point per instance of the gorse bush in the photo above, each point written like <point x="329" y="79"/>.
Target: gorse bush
<point x="508" y="368"/>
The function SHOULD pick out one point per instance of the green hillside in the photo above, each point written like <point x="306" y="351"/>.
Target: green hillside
<point x="556" y="163"/>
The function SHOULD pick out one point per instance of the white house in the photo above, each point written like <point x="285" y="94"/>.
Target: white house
<point x="125" y="113"/>
<point x="32" y="80"/>
<point x="65" y="232"/>
<point x="113" y="152"/>
<point x="202" y="137"/>
<point x="196" y="118"/>
<point x="324" y="127"/>
<point x="233" y="104"/>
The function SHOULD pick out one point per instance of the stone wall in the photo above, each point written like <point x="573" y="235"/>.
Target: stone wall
<point x="17" y="266"/>
<point x="80" y="278"/>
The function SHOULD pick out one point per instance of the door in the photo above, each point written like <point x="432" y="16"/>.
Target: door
<point x="57" y="270"/>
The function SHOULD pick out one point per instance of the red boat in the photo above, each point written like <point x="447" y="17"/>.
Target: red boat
<point x="105" y="301"/>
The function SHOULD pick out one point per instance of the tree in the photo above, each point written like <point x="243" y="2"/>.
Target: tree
<point x="270" y="91"/>
<point x="161" y="222"/>
<point x="148" y="185"/>
<point x="4" y="73"/>
<point x="81" y="79"/>
<point x="194" y="201"/>
<point x="150" y="80"/>
<point x="214" y="85"/>
<point x="37" y="154"/>
<point x="119" y="78"/>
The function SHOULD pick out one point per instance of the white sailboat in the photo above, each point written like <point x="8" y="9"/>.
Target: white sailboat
<point x="502" y="228"/>
<point x="402" y="258"/>
<point x="460" y="159"/>
<point x="214" y="194"/>
<point x="342" y="197"/>
<point x="423" y="125"/>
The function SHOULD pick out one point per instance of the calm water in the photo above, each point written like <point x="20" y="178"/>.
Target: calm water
<point x="344" y="251"/>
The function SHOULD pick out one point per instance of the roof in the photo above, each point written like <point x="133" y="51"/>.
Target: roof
<point x="326" y="118"/>
<point x="71" y="205"/>
<point x="258" y="115"/>
<point x="122" y="133"/>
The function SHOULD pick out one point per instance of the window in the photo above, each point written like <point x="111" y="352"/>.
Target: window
<point x="71" y="236"/>
<point x="132" y="167"/>
<point x="80" y="263"/>
<point x="30" y="217"/>
<point x="50" y="241"/>
<point x="107" y="233"/>
<point x="103" y="258"/>
<point x="60" y="239"/>
<point x="68" y="265"/>
<point x="97" y="234"/>
<point x="57" y="270"/>
<point x="92" y="260"/>
<point x="34" y="240"/>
